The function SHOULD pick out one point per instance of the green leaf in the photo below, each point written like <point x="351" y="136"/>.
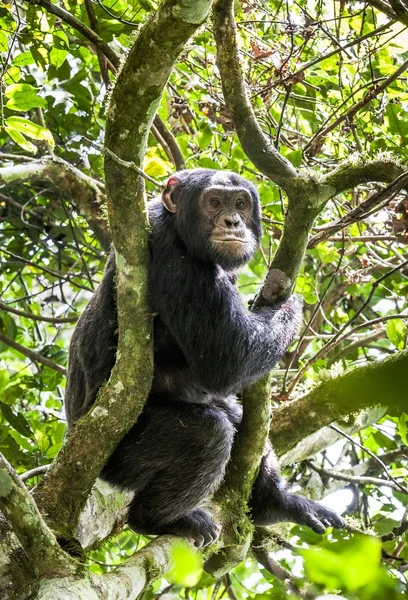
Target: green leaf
<point x="3" y="42"/>
<point x="354" y="566"/>
<point x="205" y="137"/>
<point x="403" y="428"/>
<point x="23" y="97"/>
<point x="30" y="129"/>
<point x="396" y="332"/>
<point x="4" y="379"/>
<point x="19" y="139"/>
<point x="60" y="48"/>
<point x="156" y="166"/>
<point x="18" y="422"/>
<point x="187" y="565"/>
<point x="327" y="254"/>
<point x="24" y="59"/>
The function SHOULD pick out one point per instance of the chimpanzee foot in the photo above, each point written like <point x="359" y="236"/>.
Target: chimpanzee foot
<point x="314" y="515"/>
<point x="197" y="525"/>
<point x="295" y="509"/>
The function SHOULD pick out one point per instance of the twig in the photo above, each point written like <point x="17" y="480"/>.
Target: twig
<point x="171" y="142"/>
<point x="271" y="565"/>
<point x="338" y="335"/>
<point x="399" y="485"/>
<point x="82" y="28"/>
<point x="34" y="356"/>
<point x="125" y="163"/>
<point x="358" y="480"/>
<point x="57" y="274"/>
<point x="316" y="141"/>
<point x="34" y="472"/>
<point x="28" y="315"/>
<point x="374" y="202"/>
<point x="322" y="57"/>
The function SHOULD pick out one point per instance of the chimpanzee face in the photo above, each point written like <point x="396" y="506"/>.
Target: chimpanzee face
<point x="226" y="213"/>
<point x="217" y="215"/>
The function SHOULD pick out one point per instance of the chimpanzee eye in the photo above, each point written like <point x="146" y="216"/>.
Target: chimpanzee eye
<point x="215" y="203"/>
<point x="241" y="203"/>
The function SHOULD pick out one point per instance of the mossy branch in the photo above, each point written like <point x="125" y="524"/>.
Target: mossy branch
<point x="135" y="98"/>
<point x="126" y="582"/>
<point x="38" y="542"/>
<point x="379" y="383"/>
<point x="254" y="142"/>
<point x="86" y="193"/>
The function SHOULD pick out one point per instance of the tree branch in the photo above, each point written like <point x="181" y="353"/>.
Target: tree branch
<point x="358" y="170"/>
<point x="126" y="582"/>
<point x="254" y="142"/>
<point x="37" y="540"/>
<point x="83" y="29"/>
<point x="382" y="383"/>
<point x="34" y="356"/>
<point x="33" y="317"/>
<point x="86" y="193"/>
<point x="65" y="487"/>
<point x="313" y="146"/>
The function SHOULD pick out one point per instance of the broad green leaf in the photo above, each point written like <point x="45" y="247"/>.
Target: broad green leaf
<point x="186" y="565"/>
<point x="18" y="421"/>
<point x="356" y="565"/>
<point x="205" y="137"/>
<point x="60" y="49"/>
<point x="23" y="97"/>
<point x="403" y="428"/>
<point x="23" y="59"/>
<point x="3" y="42"/>
<point x="396" y="332"/>
<point x="20" y="140"/>
<point x="156" y="166"/>
<point x="30" y="129"/>
<point x="4" y="379"/>
<point x="295" y="157"/>
<point x="327" y="254"/>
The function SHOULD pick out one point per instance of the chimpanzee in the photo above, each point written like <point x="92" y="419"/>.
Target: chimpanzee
<point x="207" y="346"/>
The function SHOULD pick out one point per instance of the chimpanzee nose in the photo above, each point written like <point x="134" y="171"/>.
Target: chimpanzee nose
<point x="231" y="221"/>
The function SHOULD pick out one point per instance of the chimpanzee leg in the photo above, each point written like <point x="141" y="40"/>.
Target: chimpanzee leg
<point x="173" y="459"/>
<point x="271" y="503"/>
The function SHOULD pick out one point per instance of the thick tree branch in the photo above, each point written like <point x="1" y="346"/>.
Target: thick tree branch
<point x="66" y="486"/>
<point x="127" y="582"/>
<point x="382" y="383"/>
<point x="37" y="540"/>
<point x="254" y="142"/>
<point x="325" y="437"/>
<point x="86" y="193"/>
<point x="357" y="170"/>
<point x="233" y="495"/>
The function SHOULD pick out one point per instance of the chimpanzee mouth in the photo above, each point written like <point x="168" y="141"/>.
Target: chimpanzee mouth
<point x="230" y="238"/>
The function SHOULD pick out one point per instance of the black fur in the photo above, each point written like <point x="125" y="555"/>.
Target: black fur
<point x="208" y="347"/>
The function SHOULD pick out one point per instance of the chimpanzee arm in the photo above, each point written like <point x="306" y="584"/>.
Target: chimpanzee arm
<point x="227" y="346"/>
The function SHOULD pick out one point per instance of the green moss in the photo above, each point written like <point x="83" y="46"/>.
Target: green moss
<point x="6" y="483"/>
<point x="194" y="11"/>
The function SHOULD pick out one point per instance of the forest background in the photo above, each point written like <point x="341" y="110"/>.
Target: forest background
<point x="308" y="100"/>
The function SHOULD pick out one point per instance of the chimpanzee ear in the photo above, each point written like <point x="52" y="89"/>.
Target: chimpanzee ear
<point x="167" y="198"/>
